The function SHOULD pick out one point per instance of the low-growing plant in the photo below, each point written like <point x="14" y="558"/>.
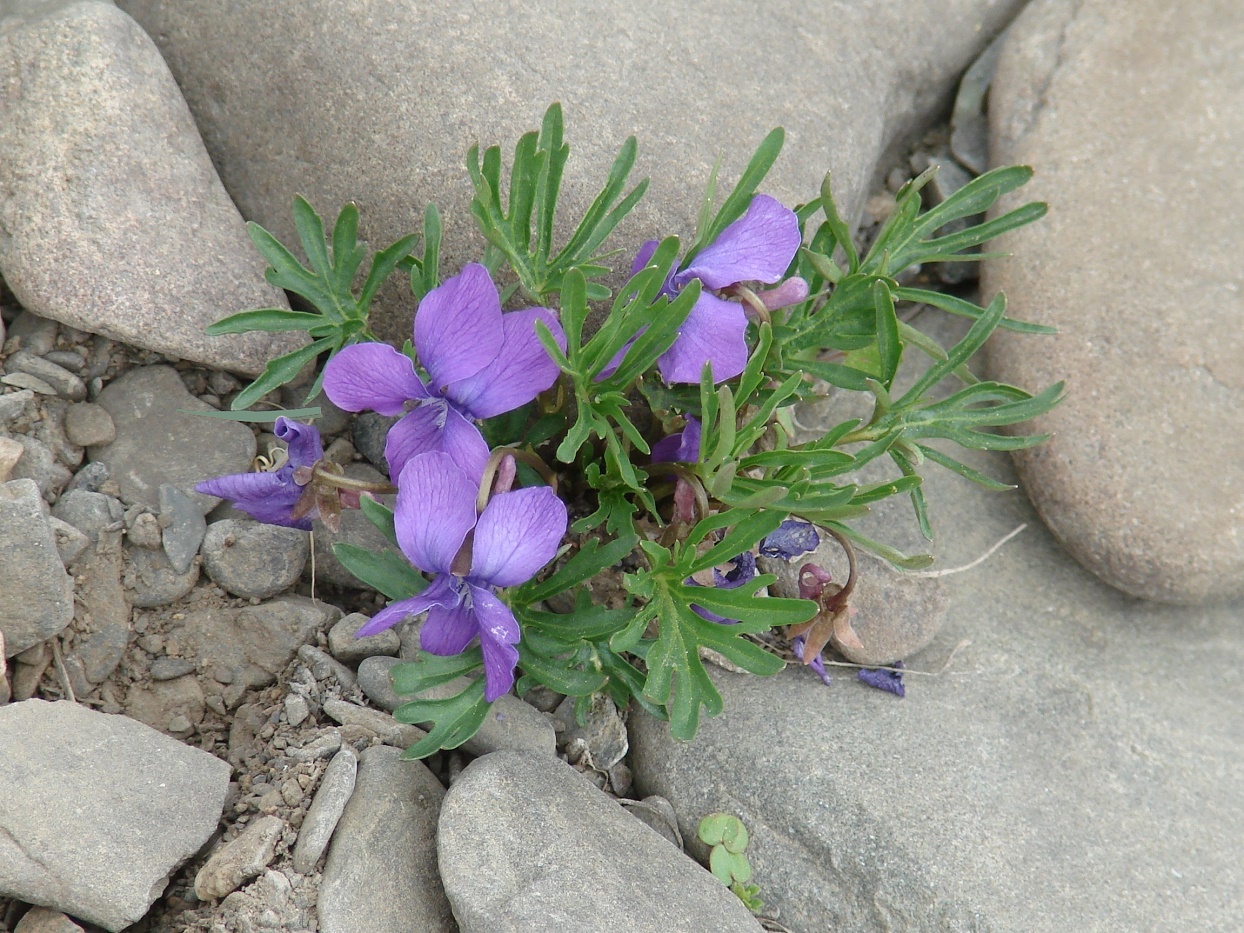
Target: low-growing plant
<point x="727" y="860"/>
<point x="580" y="505"/>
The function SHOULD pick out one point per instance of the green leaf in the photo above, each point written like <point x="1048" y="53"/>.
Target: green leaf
<point x="385" y="572"/>
<point x="590" y="560"/>
<point x="379" y="515"/>
<point x="958" y="306"/>
<point x="453" y="720"/>
<point x="889" y="347"/>
<point x="256" y="417"/>
<point x="280" y="371"/>
<point x="740" y="197"/>
<point x="838" y="228"/>
<point x="272" y="320"/>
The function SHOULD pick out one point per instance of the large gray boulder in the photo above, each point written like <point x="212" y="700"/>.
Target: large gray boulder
<point x="98" y="810"/>
<point x="112" y="218"/>
<point x="378" y="103"/>
<point x="1077" y="766"/>
<point x="1125" y="112"/>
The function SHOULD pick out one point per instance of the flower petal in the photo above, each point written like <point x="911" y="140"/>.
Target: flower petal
<point x="791" y="538"/>
<point x="715" y="330"/>
<point x="448" y="629"/>
<point x="266" y="497"/>
<point x="435" y="510"/>
<point x="642" y="257"/>
<point x="498" y="634"/>
<point x="302" y="441"/>
<point x="436" y="426"/>
<point x="757" y="247"/>
<point x="680" y="447"/>
<point x="437" y="594"/>
<point x="372" y="376"/>
<point x="889" y="681"/>
<point x="517" y="534"/>
<point x="521" y="371"/>
<point x="458" y="328"/>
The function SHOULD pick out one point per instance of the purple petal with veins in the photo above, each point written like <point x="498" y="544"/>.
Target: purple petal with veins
<point x="372" y="376"/>
<point x="435" y="510"/>
<point x="436" y="427"/>
<point x="498" y="634"/>
<point x="266" y="497"/>
<point x="715" y="331"/>
<point x="521" y="371"/>
<point x="449" y="629"/>
<point x="437" y="594"/>
<point x="757" y="247"/>
<point x="517" y="534"/>
<point x="458" y="328"/>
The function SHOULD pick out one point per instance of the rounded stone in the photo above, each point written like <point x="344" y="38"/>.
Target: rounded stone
<point x="251" y="559"/>
<point x="88" y="424"/>
<point x="151" y="580"/>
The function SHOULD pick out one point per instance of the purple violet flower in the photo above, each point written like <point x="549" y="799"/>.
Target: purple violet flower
<point x="271" y="496"/>
<point x="791" y="539"/>
<point x="817" y="663"/>
<point x="480" y="363"/>
<point x="889" y="681"/>
<point x="517" y="533"/>
<point x="680" y="447"/>
<point x="757" y="247"/>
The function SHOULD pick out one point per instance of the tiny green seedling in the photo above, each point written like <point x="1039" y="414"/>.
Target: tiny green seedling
<point x="726" y="859"/>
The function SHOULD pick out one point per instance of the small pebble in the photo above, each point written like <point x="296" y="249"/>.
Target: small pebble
<point x="70" y="542"/>
<point x="184" y="527"/>
<point x="330" y="800"/>
<point x="345" y="647"/>
<point x="142" y="528"/>
<point x="14" y="405"/>
<point x="168" y="668"/>
<point x="253" y="559"/>
<point x="27" y="381"/>
<point x="88" y="424"/>
<point x="240" y="859"/>
<point x="297" y="709"/>
<point x="323" y="666"/>
<point x="10" y="452"/>
<point x="325" y="746"/>
<point x="63" y="382"/>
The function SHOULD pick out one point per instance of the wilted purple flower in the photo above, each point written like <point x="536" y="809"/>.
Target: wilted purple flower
<point x="792" y="538"/>
<point x="270" y="497"/>
<point x="680" y="447"/>
<point x="744" y="569"/>
<point x="517" y="533"/>
<point x="757" y="247"/>
<point x="480" y="363"/>
<point x="817" y="663"/>
<point x="889" y="681"/>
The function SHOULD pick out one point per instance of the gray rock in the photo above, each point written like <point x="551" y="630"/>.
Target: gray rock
<point x="297" y="709"/>
<point x="252" y="559"/>
<point x="866" y="77"/>
<point x="153" y="803"/>
<point x="382" y="862"/>
<point x="389" y="729"/>
<point x="503" y="870"/>
<point x="128" y="202"/>
<point x="184" y="527"/>
<point x="40" y="464"/>
<point x="142" y="528"/>
<point x="325" y="745"/>
<point x="324" y="667"/>
<point x="64" y="383"/>
<point x="162" y="703"/>
<point x="151" y="580"/>
<point x="249" y="647"/>
<point x="656" y="813"/>
<point x="104" y="611"/>
<point x="92" y="513"/>
<point x="1111" y="723"/>
<point x="10" y="452"/>
<point x="36" y="596"/>
<point x="15" y="406"/>
<point x="369" y="431"/>
<point x="42" y="920"/>
<point x="157" y="444"/>
<point x="1157" y="366"/>
<point x="27" y="381"/>
<point x="170" y="668"/>
<point x="330" y="801"/>
<point x="90" y="478"/>
<point x="510" y="722"/>
<point x="34" y="333"/>
<point x="601" y="742"/>
<point x="350" y="650"/>
<point x="89" y="425"/>
<point x="73" y="360"/>
<point x="240" y="859"/>
<point x="51" y="430"/>
<point x="70" y="542"/>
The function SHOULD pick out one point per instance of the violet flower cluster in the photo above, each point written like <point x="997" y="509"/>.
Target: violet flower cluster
<point x="480" y="363"/>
